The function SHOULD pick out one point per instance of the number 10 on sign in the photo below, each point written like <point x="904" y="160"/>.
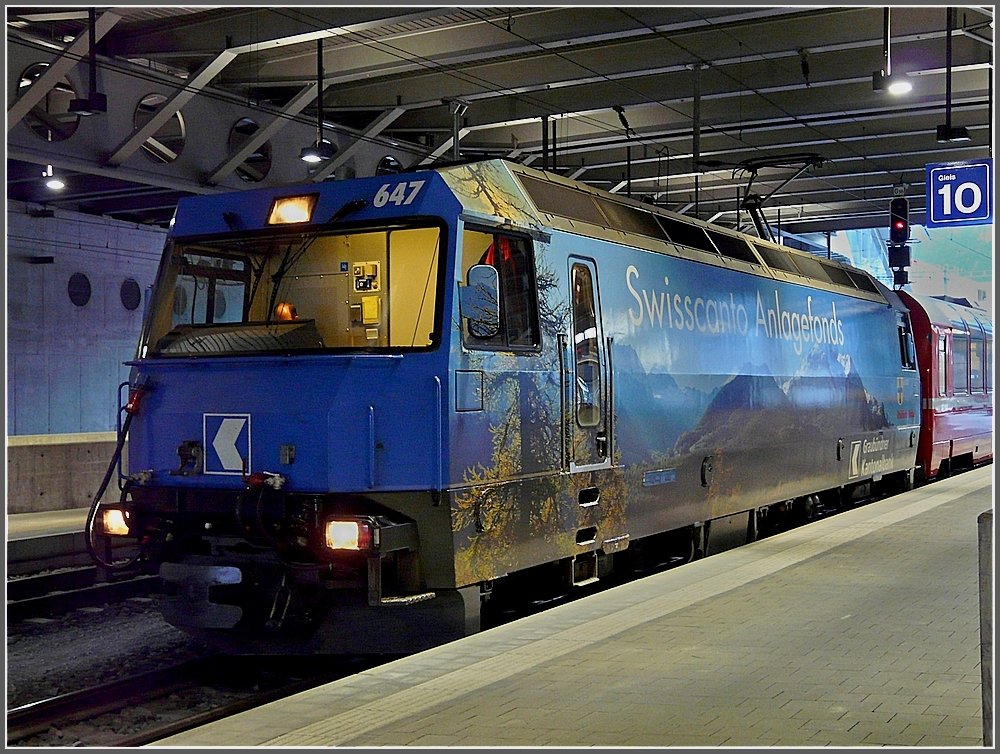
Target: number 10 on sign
<point x="959" y="193"/>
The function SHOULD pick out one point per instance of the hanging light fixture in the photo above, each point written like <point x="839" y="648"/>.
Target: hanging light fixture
<point x="96" y="102"/>
<point x="884" y="79"/>
<point x="52" y="181"/>
<point x="946" y="133"/>
<point x="322" y="150"/>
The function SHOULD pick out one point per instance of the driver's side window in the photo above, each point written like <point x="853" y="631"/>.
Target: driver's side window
<point x="512" y="258"/>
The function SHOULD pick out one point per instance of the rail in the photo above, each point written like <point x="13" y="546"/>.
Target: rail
<point x="253" y="681"/>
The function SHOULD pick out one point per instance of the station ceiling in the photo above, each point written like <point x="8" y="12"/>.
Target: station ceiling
<point x="680" y="106"/>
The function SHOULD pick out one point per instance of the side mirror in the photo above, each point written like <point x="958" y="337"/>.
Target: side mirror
<point x="479" y="300"/>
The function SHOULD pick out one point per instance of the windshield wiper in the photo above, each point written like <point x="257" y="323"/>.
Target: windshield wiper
<point x="288" y="261"/>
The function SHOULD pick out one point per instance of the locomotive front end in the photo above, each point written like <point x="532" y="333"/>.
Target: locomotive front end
<point x="290" y="358"/>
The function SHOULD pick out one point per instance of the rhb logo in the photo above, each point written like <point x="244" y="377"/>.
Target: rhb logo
<point x="226" y="440"/>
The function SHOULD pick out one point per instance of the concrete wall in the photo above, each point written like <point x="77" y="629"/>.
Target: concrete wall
<point x="56" y="472"/>
<point x="65" y="362"/>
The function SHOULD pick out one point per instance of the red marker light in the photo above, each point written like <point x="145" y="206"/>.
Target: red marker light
<point x="256" y="480"/>
<point x="134" y="398"/>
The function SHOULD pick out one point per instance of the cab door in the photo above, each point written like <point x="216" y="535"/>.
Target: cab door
<point x="588" y="388"/>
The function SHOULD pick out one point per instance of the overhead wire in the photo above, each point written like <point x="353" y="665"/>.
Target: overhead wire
<point x="773" y="103"/>
<point x="462" y="73"/>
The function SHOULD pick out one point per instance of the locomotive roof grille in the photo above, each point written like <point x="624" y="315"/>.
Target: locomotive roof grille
<point x="585" y="204"/>
<point x="862" y="281"/>
<point x="777" y="259"/>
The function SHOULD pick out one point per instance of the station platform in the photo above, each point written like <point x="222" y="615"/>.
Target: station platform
<point x="45" y="539"/>
<point x="861" y="629"/>
<point x="45" y="523"/>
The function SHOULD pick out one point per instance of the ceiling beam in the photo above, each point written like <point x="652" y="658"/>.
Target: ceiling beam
<point x="294" y="106"/>
<point x="62" y="65"/>
<point x="181" y="97"/>
<point x="373" y="130"/>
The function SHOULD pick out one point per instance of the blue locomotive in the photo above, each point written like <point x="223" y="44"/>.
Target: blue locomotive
<point x="360" y="408"/>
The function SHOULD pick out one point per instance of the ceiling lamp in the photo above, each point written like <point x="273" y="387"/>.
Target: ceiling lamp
<point x="321" y="150"/>
<point x="884" y="79"/>
<point x="318" y="152"/>
<point x="52" y="181"/>
<point x="96" y="102"/>
<point x="946" y="133"/>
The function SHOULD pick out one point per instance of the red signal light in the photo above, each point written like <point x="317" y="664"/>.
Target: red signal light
<point x="899" y="220"/>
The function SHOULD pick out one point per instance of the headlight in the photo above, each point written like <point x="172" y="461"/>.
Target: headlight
<point x="349" y="534"/>
<point x="114" y="521"/>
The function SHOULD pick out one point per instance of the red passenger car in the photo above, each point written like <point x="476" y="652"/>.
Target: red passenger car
<point x="954" y="342"/>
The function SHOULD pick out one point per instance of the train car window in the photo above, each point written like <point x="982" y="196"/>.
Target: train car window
<point x="562" y="200"/>
<point x="988" y="362"/>
<point x="942" y="365"/>
<point x="960" y="363"/>
<point x="685" y="234"/>
<point x="907" y="351"/>
<point x="977" y="377"/>
<point x="586" y="349"/>
<point x="733" y="247"/>
<point x="512" y="258"/>
<point x="778" y="259"/>
<point x="630" y="219"/>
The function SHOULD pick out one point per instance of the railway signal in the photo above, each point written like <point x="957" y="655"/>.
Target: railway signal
<point x="899" y="220"/>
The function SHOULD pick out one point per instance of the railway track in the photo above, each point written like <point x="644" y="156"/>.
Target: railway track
<point x="169" y="696"/>
<point x="242" y="682"/>
<point x="49" y="594"/>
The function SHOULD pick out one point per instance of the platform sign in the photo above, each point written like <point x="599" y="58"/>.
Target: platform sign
<point x="959" y="193"/>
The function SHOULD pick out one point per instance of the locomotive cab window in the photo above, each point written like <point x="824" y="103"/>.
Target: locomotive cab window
<point x="517" y="298"/>
<point x="282" y="291"/>
<point x="907" y="351"/>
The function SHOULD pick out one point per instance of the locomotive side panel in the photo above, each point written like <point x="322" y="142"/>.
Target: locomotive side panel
<point x="726" y="391"/>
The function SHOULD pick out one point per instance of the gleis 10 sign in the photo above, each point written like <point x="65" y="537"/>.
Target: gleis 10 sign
<point x="959" y="193"/>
